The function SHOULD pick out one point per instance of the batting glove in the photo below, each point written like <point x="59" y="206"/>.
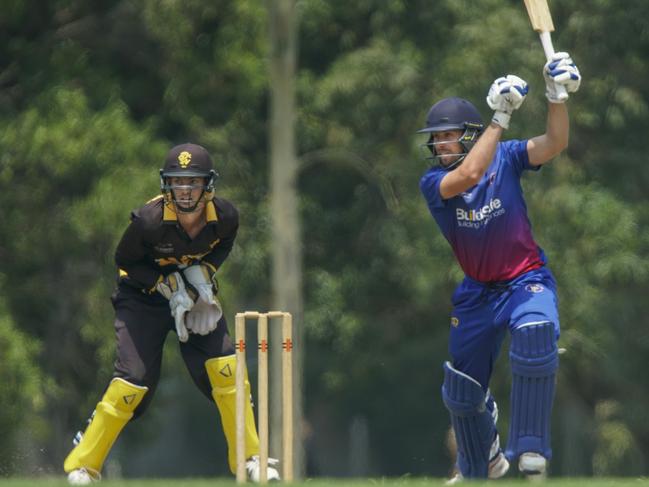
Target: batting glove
<point x="560" y="71"/>
<point x="506" y="94"/>
<point x="173" y="288"/>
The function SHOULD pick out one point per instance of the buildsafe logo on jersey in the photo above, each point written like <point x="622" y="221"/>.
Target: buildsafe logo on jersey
<point x="480" y="215"/>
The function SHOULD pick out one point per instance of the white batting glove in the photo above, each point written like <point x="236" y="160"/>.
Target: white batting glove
<point x="173" y="288"/>
<point x="560" y="71"/>
<point x="506" y="94"/>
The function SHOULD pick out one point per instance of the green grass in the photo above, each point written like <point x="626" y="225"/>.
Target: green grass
<point x="400" y="482"/>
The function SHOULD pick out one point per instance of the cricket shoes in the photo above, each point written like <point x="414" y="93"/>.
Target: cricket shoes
<point x="533" y="466"/>
<point x="456" y="479"/>
<point x="497" y="468"/>
<point x="83" y="476"/>
<point x="253" y="468"/>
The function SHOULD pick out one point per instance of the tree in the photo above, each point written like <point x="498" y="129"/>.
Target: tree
<point x="285" y="217"/>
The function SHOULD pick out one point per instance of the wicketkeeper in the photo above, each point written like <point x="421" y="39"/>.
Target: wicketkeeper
<point x="168" y="258"/>
<point x="475" y="196"/>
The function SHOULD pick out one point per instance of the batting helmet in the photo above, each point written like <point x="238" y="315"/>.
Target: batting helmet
<point x="453" y="114"/>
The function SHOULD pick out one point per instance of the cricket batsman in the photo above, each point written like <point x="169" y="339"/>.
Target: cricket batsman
<point x="168" y="258"/>
<point x="475" y="196"/>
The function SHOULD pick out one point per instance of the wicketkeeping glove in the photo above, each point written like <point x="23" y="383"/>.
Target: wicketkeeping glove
<point x="203" y="280"/>
<point x="506" y="94"/>
<point x="203" y="318"/>
<point x="560" y="71"/>
<point x="173" y="288"/>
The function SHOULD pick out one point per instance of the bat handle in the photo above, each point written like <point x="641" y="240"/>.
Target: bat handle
<point x="548" y="48"/>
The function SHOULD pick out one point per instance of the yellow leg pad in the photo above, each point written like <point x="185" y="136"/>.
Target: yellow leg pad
<point x="221" y="371"/>
<point x="111" y="415"/>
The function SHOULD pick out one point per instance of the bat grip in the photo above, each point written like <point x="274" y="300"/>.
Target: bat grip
<point x="548" y="48"/>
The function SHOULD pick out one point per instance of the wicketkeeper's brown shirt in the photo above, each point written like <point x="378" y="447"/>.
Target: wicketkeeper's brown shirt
<point x="155" y="245"/>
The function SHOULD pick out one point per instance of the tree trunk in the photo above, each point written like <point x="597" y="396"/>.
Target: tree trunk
<point x="286" y="238"/>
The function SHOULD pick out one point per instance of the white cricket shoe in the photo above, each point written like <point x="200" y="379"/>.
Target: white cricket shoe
<point x="456" y="479"/>
<point x="253" y="468"/>
<point x="533" y="466"/>
<point x="83" y="476"/>
<point x="497" y="468"/>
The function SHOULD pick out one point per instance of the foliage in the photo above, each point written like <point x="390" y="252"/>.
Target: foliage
<point x="22" y="396"/>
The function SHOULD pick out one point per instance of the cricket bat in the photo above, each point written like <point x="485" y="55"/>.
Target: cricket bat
<point x="541" y="19"/>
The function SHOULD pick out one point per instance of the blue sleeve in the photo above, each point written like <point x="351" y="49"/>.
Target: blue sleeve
<point x="429" y="186"/>
<point x="515" y="153"/>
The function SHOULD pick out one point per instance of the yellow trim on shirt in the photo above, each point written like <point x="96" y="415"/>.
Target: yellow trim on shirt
<point x="168" y="213"/>
<point x="155" y="198"/>
<point x="210" y="212"/>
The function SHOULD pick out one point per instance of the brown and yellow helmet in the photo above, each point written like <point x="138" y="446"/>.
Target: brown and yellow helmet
<point x="187" y="160"/>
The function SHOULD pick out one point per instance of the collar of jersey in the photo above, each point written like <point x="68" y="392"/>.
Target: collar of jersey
<point x="169" y="215"/>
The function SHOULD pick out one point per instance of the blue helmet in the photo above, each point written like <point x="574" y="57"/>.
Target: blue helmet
<point x="453" y="114"/>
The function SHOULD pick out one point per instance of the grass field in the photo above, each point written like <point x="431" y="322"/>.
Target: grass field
<point x="404" y="482"/>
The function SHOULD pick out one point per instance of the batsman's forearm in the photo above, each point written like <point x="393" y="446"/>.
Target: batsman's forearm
<point x="558" y="127"/>
<point x="480" y="157"/>
<point x="543" y="148"/>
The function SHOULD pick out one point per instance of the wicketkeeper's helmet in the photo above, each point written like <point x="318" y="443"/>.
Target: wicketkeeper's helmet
<point x="453" y="114"/>
<point x="187" y="160"/>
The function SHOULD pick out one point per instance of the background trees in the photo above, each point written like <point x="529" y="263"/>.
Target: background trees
<point x="93" y="94"/>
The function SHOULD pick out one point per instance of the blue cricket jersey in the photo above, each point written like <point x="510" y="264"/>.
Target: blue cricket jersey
<point x="487" y="225"/>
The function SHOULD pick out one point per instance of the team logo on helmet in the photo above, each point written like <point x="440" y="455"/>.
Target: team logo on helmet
<point x="184" y="158"/>
<point x="534" y="288"/>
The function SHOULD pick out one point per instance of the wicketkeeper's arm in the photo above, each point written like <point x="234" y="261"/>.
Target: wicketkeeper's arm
<point x="221" y="251"/>
<point x="130" y="257"/>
